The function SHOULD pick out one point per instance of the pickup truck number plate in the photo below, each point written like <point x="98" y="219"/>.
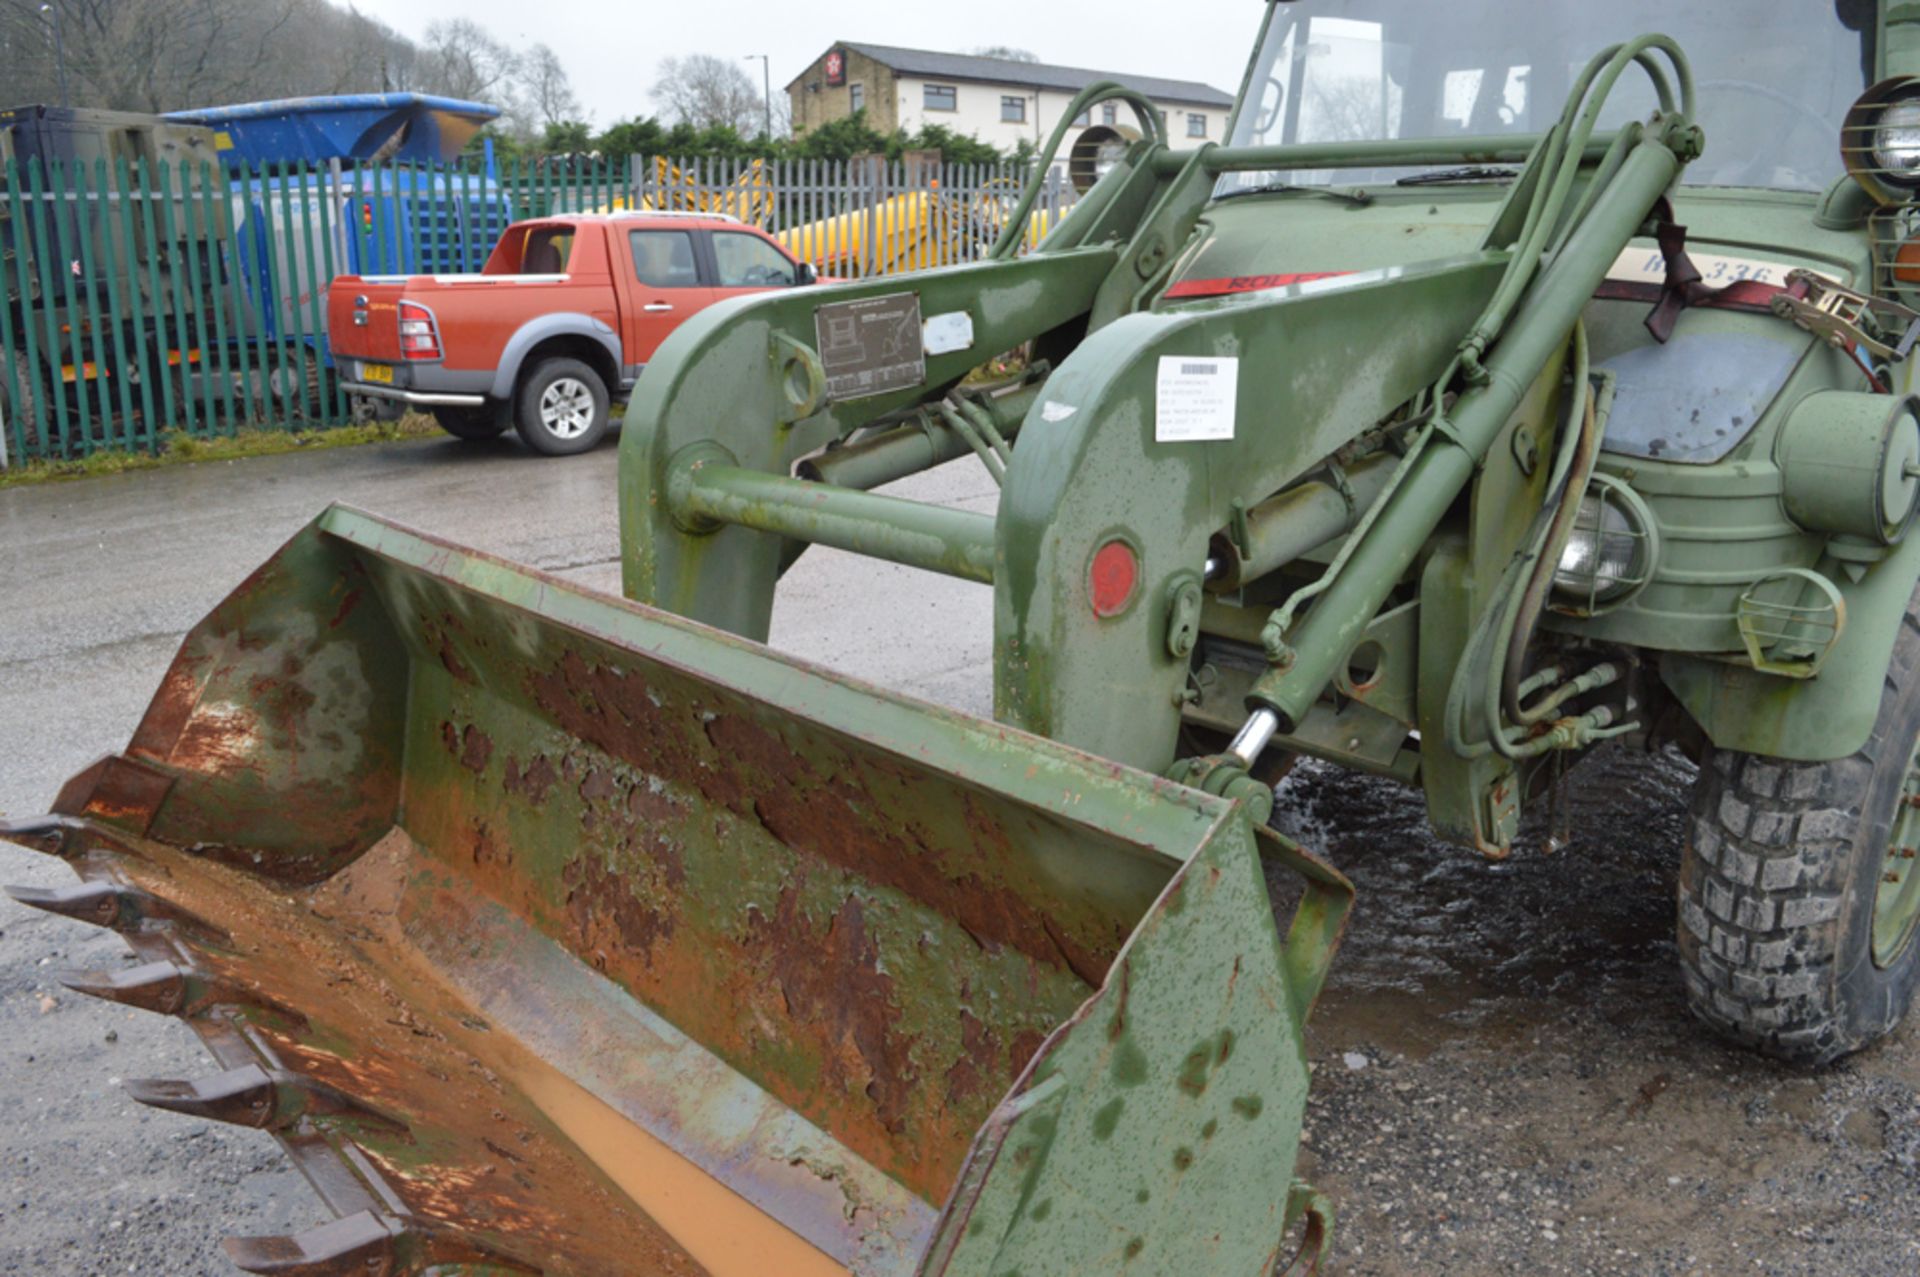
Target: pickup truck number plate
<point x="871" y="346"/>
<point x="376" y="372"/>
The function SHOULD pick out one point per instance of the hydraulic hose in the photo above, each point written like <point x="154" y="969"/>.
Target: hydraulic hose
<point x="1534" y="598"/>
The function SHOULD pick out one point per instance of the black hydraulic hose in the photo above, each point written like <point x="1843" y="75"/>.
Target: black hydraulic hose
<point x="1533" y="598"/>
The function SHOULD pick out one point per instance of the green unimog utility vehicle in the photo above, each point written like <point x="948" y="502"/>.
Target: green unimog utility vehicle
<point x="1510" y="382"/>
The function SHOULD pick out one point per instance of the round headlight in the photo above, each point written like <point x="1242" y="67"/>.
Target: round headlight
<point x="1096" y="151"/>
<point x="1609" y="554"/>
<point x="1880" y="140"/>
<point x="1896" y="142"/>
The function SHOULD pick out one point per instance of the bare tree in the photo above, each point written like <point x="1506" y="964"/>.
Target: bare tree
<point x="463" y="60"/>
<point x="545" y="85"/>
<point x="705" y="91"/>
<point x="162" y="55"/>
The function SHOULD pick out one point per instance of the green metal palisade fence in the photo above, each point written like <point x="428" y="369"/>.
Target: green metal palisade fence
<point x="187" y="299"/>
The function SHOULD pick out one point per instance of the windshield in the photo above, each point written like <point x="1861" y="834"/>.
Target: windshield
<point x="1773" y="78"/>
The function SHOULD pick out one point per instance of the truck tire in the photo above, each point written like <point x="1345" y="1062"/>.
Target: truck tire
<point x="1799" y="886"/>
<point x="476" y="425"/>
<point x="562" y="408"/>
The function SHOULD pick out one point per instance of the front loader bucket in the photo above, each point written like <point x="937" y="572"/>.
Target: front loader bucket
<point x="554" y="934"/>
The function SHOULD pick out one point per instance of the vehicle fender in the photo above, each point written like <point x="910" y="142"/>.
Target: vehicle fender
<point x="537" y="330"/>
<point x="1828" y="716"/>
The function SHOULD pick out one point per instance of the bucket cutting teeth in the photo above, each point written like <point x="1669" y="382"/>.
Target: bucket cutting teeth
<point x="49" y="835"/>
<point x="366" y="1245"/>
<point x="245" y="1096"/>
<point x="171" y="989"/>
<point x="95" y="902"/>
<point x="362" y="1245"/>
<point x="254" y="1096"/>
<point x="110" y="905"/>
<point x="151" y="986"/>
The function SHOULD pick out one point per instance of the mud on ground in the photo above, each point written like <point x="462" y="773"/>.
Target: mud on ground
<point x="1507" y="1079"/>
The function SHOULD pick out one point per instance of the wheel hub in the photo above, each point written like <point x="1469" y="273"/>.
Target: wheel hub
<point x="566" y="408"/>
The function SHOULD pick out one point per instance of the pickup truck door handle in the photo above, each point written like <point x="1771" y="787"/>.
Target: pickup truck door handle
<point x="656" y="308"/>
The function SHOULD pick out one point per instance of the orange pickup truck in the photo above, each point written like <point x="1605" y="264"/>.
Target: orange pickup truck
<point x="558" y="326"/>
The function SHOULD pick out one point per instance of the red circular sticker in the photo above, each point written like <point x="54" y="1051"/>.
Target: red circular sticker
<point x="1111" y="579"/>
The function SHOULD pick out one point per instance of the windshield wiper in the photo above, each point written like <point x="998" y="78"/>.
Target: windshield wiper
<point x="1357" y="198"/>
<point x="1472" y="173"/>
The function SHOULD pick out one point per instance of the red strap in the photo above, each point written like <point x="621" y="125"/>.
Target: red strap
<point x="1745" y="294"/>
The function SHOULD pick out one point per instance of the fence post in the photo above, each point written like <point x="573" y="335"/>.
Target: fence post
<point x="120" y="376"/>
<point x="216" y="215"/>
<point x="26" y="342"/>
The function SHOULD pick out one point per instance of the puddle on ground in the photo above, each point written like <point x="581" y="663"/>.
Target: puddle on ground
<point x="1446" y="945"/>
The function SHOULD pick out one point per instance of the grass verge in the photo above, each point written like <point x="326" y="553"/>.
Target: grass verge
<point x="176" y="449"/>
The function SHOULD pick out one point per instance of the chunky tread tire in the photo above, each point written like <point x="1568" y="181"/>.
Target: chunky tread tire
<point x="1778" y="881"/>
<point x="526" y="415"/>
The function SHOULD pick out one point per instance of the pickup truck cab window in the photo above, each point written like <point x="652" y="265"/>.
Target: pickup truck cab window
<point x="664" y="259"/>
<point x="747" y="261"/>
<point x="549" y="248"/>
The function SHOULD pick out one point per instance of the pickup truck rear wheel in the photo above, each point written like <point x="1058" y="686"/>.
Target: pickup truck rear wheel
<point x="473" y="424"/>
<point x="1800" y="886"/>
<point x="562" y="408"/>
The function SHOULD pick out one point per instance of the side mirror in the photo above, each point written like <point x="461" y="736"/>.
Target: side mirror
<point x="804" y="274"/>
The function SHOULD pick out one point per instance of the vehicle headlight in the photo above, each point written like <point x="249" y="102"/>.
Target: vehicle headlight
<point x="1896" y="142"/>
<point x="1096" y="151"/>
<point x="1609" y="554"/>
<point x="1880" y="140"/>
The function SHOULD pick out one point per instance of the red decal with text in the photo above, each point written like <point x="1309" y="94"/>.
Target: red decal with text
<point x="1191" y="288"/>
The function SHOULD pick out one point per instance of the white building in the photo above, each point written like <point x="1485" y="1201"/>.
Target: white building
<point x="1000" y="101"/>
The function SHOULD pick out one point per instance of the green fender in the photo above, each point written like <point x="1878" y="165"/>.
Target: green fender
<point x="1825" y="717"/>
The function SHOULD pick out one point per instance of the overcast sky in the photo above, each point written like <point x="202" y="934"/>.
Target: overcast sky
<point x="611" y="47"/>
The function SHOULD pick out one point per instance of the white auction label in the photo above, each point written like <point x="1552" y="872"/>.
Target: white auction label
<point x="1196" y="399"/>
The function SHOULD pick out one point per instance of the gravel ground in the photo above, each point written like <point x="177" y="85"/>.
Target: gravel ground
<point x="1506" y="1076"/>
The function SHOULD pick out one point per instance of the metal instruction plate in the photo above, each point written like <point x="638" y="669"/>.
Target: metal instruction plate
<point x="871" y="346"/>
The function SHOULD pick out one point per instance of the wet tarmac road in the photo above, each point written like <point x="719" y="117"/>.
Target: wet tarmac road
<point x="1507" y="1079"/>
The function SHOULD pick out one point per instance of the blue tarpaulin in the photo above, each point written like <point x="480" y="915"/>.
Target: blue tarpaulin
<point x="357" y="126"/>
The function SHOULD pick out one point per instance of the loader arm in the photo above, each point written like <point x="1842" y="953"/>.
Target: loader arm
<point x="1097" y="483"/>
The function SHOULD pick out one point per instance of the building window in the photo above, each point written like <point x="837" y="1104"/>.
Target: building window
<point x="1110" y="113"/>
<point x="1083" y="119"/>
<point x="1013" y="110"/>
<point x="857" y="96"/>
<point x="1196" y="125"/>
<point x="942" y="97"/>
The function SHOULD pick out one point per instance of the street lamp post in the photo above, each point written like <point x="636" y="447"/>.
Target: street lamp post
<point x="59" y="52"/>
<point x="766" y="76"/>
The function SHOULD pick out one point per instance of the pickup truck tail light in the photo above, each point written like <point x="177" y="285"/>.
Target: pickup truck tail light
<point x="419" y="335"/>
